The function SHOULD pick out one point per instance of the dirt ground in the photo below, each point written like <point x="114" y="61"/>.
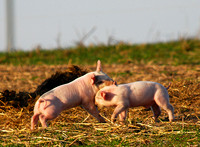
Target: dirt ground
<point x="184" y="92"/>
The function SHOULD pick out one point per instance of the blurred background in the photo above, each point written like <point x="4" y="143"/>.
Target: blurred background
<point x="63" y="23"/>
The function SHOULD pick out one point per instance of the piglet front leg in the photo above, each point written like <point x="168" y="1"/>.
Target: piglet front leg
<point x="92" y="109"/>
<point x="122" y="117"/>
<point x="120" y="109"/>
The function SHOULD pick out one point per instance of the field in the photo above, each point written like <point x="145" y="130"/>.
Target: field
<point x="76" y="127"/>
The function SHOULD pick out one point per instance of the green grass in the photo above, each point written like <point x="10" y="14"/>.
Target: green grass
<point x="172" y="53"/>
<point x="168" y="135"/>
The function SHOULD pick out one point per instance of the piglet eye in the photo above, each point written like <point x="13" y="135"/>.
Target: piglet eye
<point x="99" y="82"/>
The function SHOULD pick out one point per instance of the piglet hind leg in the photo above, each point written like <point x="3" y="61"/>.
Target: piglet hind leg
<point x="156" y="111"/>
<point x="163" y="102"/>
<point x="34" y="121"/>
<point x="43" y="121"/>
<point x="170" y="110"/>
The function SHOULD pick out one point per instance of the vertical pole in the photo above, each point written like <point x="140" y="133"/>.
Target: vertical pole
<point x="10" y="25"/>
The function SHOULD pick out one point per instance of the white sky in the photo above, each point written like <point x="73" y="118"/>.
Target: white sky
<point x="42" y="22"/>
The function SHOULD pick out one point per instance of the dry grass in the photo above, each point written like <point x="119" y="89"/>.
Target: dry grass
<point x="75" y="127"/>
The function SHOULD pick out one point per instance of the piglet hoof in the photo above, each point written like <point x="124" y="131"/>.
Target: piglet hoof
<point x="122" y="123"/>
<point x="155" y="119"/>
<point x="113" y="120"/>
<point x="102" y="121"/>
<point x="172" y="120"/>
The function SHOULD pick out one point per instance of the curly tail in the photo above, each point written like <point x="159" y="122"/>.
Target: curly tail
<point x="169" y="86"/>
<point x="40" y="101"/>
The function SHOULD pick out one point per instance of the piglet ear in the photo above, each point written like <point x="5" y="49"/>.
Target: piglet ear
<point x="103" y="94"/>
<point x="98" y="66"/>
<point x="92" y="79"/>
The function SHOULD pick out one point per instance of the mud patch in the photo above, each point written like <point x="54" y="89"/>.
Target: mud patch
<point x="23" y="99"/>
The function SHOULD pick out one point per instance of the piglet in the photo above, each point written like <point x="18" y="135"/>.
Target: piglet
<point x="141" y="93"/>
<point x="81" y="91"/>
